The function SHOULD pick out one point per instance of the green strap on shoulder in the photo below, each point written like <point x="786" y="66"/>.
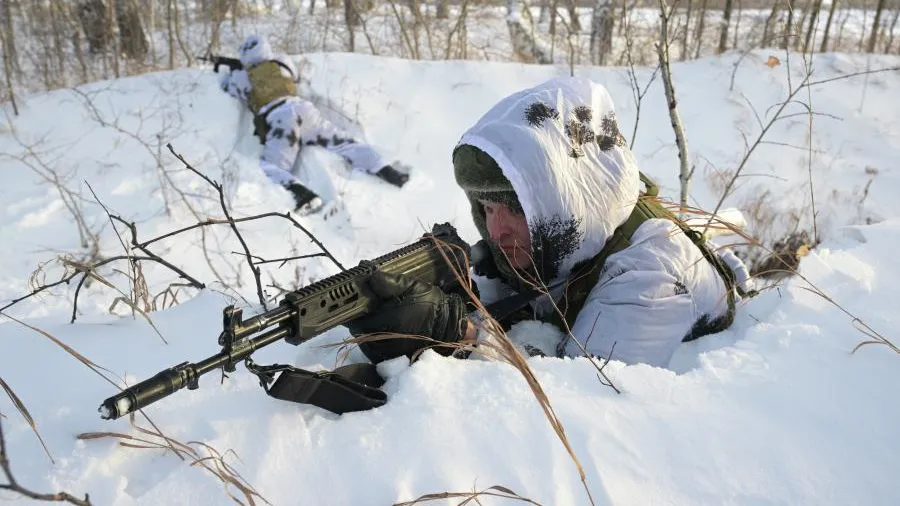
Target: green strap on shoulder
<point x="583" y="280"/>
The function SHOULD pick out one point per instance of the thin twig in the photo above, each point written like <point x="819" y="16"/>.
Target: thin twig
<point x="260" y="260"/>
<point x="134" y="242"/>
<point x="216" y="221"/>
<point x="253" y="268"/>
<point x="851" y="75"/>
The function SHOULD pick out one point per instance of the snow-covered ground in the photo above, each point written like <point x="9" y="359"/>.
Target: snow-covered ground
<point x="775" y="410"/>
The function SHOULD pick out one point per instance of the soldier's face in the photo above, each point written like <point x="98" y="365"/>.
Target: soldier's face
<point x="509" y="232"/>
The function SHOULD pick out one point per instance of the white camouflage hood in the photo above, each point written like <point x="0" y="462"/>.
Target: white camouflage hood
<point x="254" y="50"/>
<point x="559" y="146"/>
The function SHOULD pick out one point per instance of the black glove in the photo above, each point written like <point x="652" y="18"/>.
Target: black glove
<point x="409" y="306"/>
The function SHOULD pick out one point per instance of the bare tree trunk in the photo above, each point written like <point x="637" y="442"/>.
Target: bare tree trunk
<point x="458" y="29"/>
<point x="824" y="46"/>
<point x="840" y="33"/>
<point x="574" y="22"/>
<point x="624" y="24"/>
<point x="737" y="25"/>
<point x="60" y="27"/>
<point x="788" y="26"/>
<point x="352" y="20"/>
<point x="890" y="41"/>
<point x="132" y="38"/>
<point x="170" y="28"/>
<point x="862" y="36"/>
<point x="554" y="14"/>
<point x="217" y="14"/>
<point x="685" y="35"/>
<point x="769" y="28"/>
<point x="525" y="46"/>
<point x="554" y="4"/>
<point x="415" y="10"/>
<point x="152" y="30"/>
<point x="813" y="17"/>
<point x="76" y="44"/>
<point x="804" y="12"/>
<point x="544" y="12"/>
<point x="441" y="9"/>
<point x="9" y="50"/>
<point x="602" y="25"/>
<point x="700" y="28"/>
<point x="662" y="51"/>
<point x="177" y="24"/>
<point x="94" y="24"/>
<point x="8" y="55"/>
<point x="111" y="31"/>
<point x="875" y="27"/>
<point x="726" y="22"/>
<point x="351" y="13"/>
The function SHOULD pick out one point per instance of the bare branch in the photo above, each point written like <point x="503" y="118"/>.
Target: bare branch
<point x="852" y="75"/>
<point x="218" y="187"/>
<point x="14" y="486"/>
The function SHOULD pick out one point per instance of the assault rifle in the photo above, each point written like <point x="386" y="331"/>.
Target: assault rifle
<point x="303" y="314"/>
<point x="231" y="63"/>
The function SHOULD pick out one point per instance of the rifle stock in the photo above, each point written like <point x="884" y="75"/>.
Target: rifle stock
<point x="438" y="258"/>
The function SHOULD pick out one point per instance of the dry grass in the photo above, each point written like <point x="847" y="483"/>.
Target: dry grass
<point x="213" y="461"/>
<point x="468" y="497"/>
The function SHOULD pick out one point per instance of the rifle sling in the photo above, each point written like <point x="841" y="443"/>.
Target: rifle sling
<point x="353" y="387"/>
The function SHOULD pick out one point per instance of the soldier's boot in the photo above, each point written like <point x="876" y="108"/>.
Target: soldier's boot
<point x="307" y="202"/>
<point x="393" y="176"/>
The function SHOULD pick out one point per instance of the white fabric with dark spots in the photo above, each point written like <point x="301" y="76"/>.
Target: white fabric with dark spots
<point x="559" y="145"/>
<point x="297" y="123"/>
<point x="294" y="122"/>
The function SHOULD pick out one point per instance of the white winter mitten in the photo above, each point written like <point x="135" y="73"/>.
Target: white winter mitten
<point x="741" y="274"/>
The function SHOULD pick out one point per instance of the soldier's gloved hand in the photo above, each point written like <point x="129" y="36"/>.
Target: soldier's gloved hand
<point x="409" y="306"/>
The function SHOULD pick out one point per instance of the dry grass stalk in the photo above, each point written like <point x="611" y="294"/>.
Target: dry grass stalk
<point x="20" y="406"/>
<point x="495" y="491"/>
<point x="214" y="462"/>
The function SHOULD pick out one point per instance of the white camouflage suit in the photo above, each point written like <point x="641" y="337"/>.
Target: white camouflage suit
<point x="293" y="122"/>
<point x="559" y="146"/>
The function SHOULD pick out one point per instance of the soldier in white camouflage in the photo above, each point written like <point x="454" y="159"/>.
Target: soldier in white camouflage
<point x="285" y="123"/>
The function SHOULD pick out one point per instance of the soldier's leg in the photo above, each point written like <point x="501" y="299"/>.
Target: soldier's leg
<point x="279" y="154"/>
<point x="364" y="158"/>
<point x="317" y="130"/>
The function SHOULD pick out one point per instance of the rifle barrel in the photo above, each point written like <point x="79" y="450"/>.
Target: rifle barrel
<point x="173" y="379"/>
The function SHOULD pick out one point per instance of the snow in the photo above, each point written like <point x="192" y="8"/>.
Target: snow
<point x="778" y="409"/>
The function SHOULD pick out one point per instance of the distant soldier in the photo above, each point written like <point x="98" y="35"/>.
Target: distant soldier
<point x="284" y="123"/>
